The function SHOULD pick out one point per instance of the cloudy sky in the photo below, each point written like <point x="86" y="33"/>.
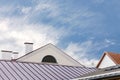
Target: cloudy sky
<point x="83" y="29"/>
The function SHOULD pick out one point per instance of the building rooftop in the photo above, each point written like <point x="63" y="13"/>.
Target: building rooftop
<point x="115" y="57"/>
<point x="111" y="73"/>
<point x="39" y="71"/>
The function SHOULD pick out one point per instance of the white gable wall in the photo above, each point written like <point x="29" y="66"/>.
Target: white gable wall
<point x="39" y="54"/>
<point x="106" y="62"/>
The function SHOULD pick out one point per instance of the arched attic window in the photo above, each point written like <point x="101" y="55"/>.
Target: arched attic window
<point x="49" y="59"/>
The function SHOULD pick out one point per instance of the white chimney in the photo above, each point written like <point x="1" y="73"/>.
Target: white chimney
<point x="28" y="47"/>
<point x="14" y="55"/>
<point x="7" y="55"/>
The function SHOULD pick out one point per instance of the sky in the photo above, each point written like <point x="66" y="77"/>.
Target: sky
<point x="84" y="29"/>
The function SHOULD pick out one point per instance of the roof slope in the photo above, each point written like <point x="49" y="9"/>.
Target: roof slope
<point x="34" y="71"/>
<point x="115" y="57"/>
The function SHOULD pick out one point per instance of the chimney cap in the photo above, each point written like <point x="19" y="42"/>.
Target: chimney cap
<point x="6" y="51"/>
<point x="28" y="43"/>
<point x="15" y="52"/>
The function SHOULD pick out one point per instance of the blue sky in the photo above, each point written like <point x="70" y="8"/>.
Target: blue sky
<point x="84" y="29"/>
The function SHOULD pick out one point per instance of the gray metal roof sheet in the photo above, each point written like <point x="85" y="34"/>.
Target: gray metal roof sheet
<point x="102" y="73"/>
<point x="12" y="70"/>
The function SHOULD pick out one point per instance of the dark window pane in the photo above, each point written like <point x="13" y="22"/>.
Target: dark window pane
<point x="49" y="59"/>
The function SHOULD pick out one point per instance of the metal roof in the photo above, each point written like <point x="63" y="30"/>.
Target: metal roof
<point x="103" y="73"/>
<point x="13" y="70"/>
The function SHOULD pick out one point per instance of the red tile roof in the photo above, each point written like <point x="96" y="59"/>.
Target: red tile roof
<point x="115" y="57"/>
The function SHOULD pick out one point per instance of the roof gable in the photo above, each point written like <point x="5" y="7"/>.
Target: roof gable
<point x="33" y="51"/>
<point x="115" y="57"/>
<point x="49" y="49"/>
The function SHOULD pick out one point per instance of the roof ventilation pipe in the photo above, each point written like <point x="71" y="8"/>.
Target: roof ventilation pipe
<point x="14" y="55"/>
<point x="28" y="47"/>
<point x="6" y="55"/>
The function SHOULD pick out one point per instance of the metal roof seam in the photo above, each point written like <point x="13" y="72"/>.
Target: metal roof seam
<point x="63" y="72"/>
<point x="67" y="71"/>
<point x="26" y="71"/>
<point x="60" y="77"/>
<point x="8" y="71"/>
<point x="19" y="70"/>
<point x="31" y="70"/>
<point x="4" y="74"/>
<point x="42" y="71"/>
<point x="13" y="70"/>
<point x="46" y="72"/>
<point x="72" y="72"/>
<point x="54" y="76"/>
<point x="1" y="77"/>
<point x="36" y="71"/>
<point x="35" y="76"/>
<point x="77" y="73"/>
<point x="58" y="71"/>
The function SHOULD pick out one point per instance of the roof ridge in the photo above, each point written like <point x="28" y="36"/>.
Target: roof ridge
<point x="69" y="56"/>
<point x="34" y="50"/>
<point x="112" y="53"/>
<point x="53" y="64"/>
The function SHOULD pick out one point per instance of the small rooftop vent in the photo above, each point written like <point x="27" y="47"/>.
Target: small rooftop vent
<point x="28" y="47"/>
<point x="7" y="55"/>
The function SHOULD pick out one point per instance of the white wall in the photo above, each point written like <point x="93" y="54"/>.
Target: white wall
<point x="61" y="58"/>
<point x="106" y="62"/>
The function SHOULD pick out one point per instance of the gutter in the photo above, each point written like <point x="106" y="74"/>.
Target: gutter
<point x="105" y="75"/>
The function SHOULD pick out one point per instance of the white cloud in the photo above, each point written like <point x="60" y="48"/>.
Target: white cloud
<point x="109" y="42"/>
<point x="48" y="6"/>
<point x="13" y="36"/>
<point x="81" y="52"/>
<point x="26" y="10"/>
<point x="3" y="25"/>
<point x="17" y="30"/>
<point x="89" y="62"/>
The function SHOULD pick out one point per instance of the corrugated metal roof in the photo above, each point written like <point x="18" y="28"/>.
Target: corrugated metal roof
<point x="12" y="70"/>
